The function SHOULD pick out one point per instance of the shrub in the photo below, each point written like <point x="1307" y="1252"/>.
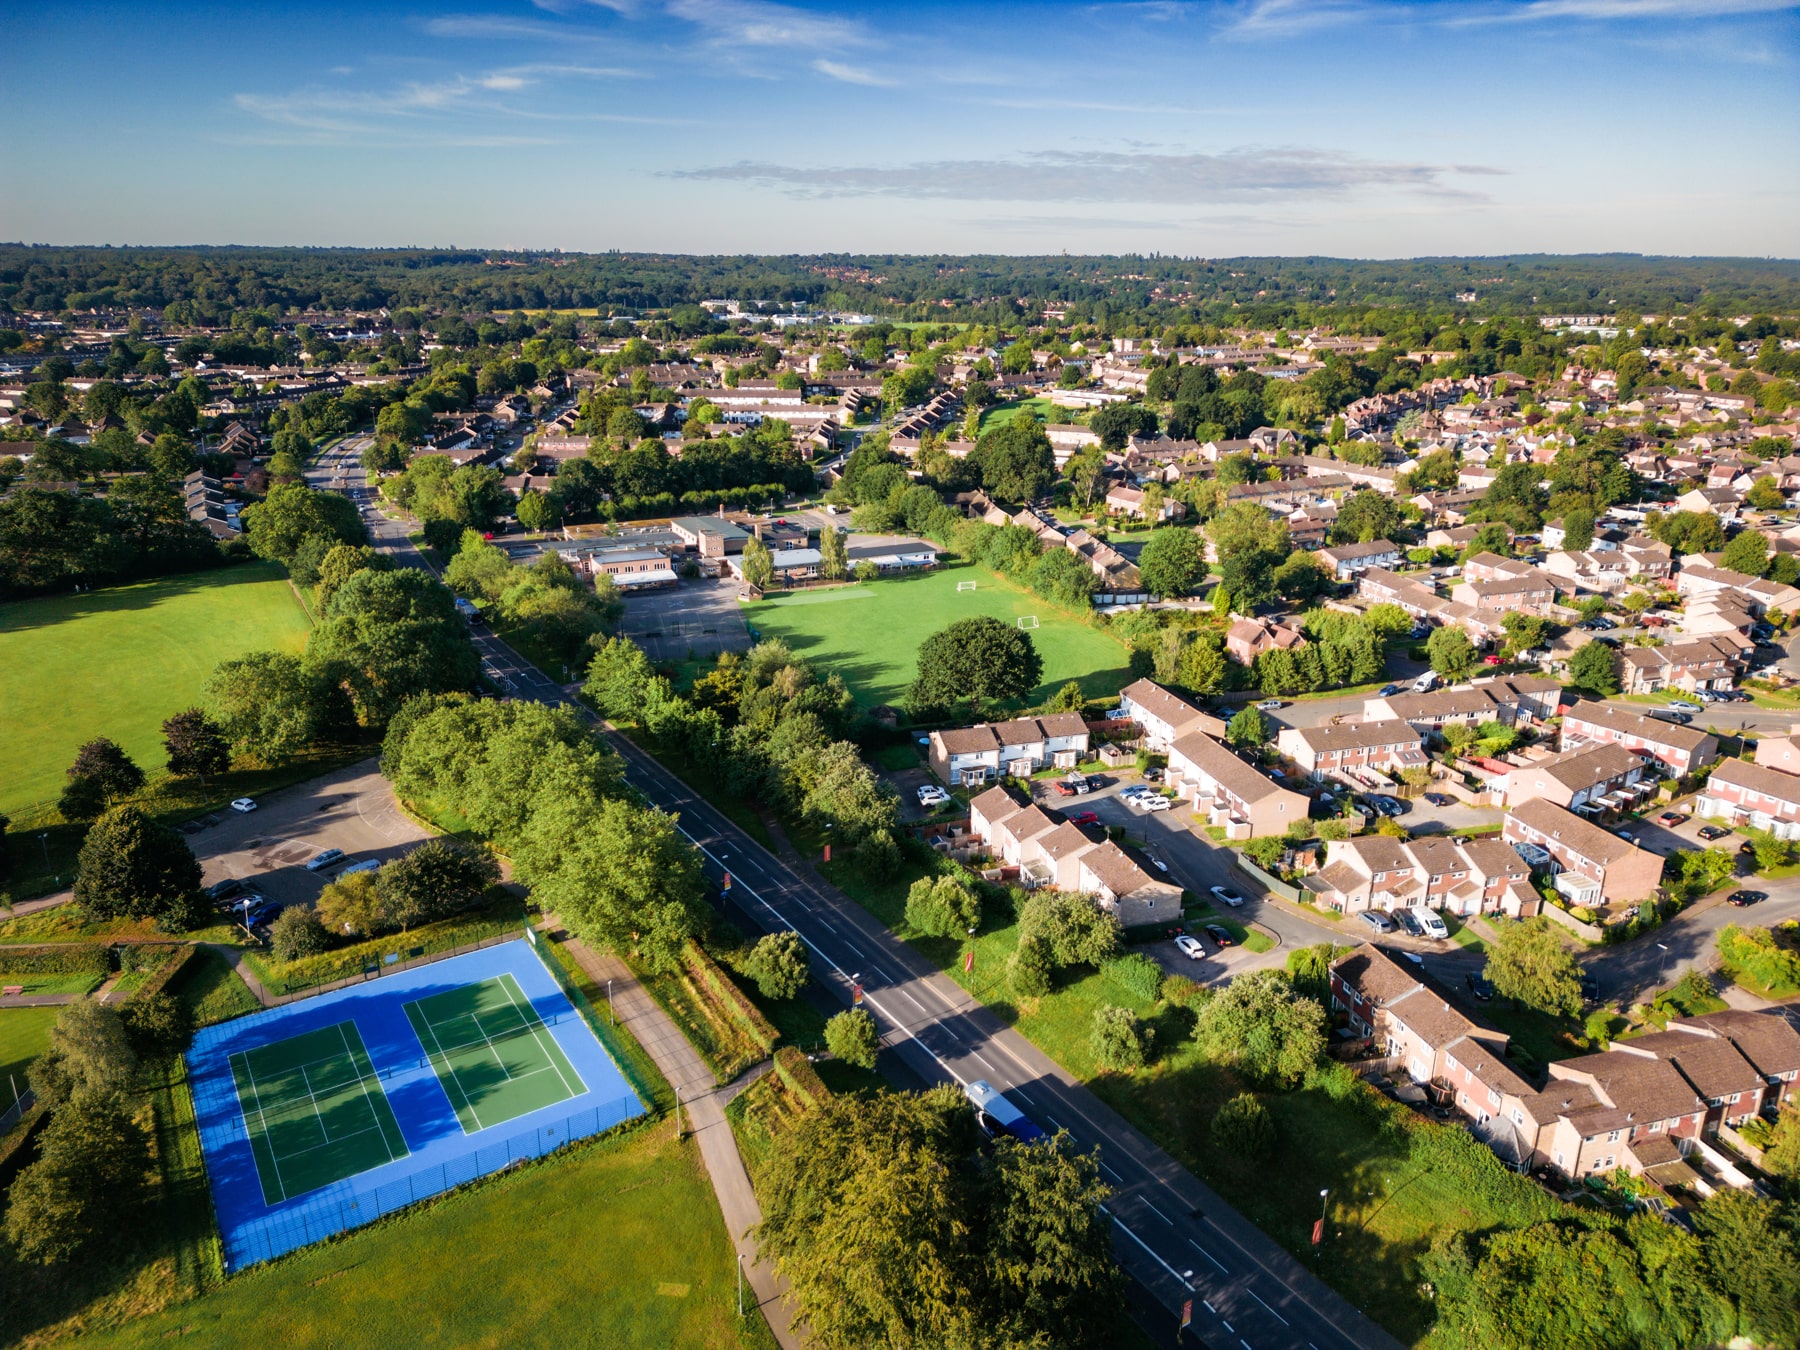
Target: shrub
<point x="941" y="907"/>
<point x="1755" y="953"/>
<point x="799" y="1077"/>
<point x="1028" y="969"/>
<point x="1267" y="851"/>
<point x="1119" y="1041"/>
<point x="1180" y="990"/>
<point x="851" y="1037"/>
<point x="89" y="1174"/>
<point x="157" y="1024"/>
<point x="1134" y="975"/>
<point x="1243" y="1127"/>
<point x="297" y="933"/>
<point x="778" y="965"/>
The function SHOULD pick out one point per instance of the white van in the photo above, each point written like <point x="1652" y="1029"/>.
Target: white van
<point x="1430" y="924"/>
<point x="1425" y="683"/>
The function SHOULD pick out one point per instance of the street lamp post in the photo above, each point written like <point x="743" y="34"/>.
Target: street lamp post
<point x="740" y="1284"/>
<point x="1319" y="1246"/>
<point x="1663" y="973"/>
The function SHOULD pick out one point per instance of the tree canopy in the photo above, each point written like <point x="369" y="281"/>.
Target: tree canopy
<point x="974" y="661"/>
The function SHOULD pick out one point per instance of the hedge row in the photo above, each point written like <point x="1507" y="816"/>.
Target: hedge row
<point x="168" y="971"/>
<point x="57" y="958"/>
<point x="799" y="1077"/>
<point x="736" y="1006"/>
<point x="344" y="962"/>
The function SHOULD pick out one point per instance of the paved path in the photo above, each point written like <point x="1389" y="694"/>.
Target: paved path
<point x="703" y="1107"/>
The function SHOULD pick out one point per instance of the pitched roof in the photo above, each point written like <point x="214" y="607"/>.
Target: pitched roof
<point x="1159" y="702"/>
<point x="1224" y="768"/>
<point x="1567" y="828"/>
<point x="1633" y="724"/>
<point x="996" y="804"/>
<point x="1394" y="731"/>
<point x="1115" y="870"/>
<point x="1767" y="1040"/>
<point x="1757" y="778"/>
<point x="1714" y="1067"/>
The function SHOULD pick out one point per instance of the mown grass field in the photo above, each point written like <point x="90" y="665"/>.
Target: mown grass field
<point x="870" y="633"/>
<point x="24" y="1035"/>
<point x="1002" y="413"/>
<point x="117" y="662"/>
<point x="614" y="1243"/>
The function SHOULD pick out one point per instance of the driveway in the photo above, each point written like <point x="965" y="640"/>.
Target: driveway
<point x="696" y="618"/>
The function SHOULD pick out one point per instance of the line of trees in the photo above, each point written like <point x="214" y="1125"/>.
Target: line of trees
<point x="560" y="611"/>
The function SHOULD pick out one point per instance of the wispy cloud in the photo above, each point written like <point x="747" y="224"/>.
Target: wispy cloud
<point x="1256" y="19"/>
<point x="759" y="23"/>
<point x="1105" y="176"/>
<point x="837" y="70"/>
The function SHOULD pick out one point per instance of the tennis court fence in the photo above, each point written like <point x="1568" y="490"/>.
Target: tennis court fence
<point x="338" y="1210"/>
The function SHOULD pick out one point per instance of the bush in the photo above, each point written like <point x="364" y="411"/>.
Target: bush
<point x="1267" y="852"/>
<point x="1134" y="975"/>
<point x="1028" y="969"/>
<point x="157" y="1024"/>
<point x="942" y="907"/>
<point x="1756" y="954"/>
<point x="851" y="1037"/>
<point x="297" y="932"/>
<point x="778" y="965"/>
<point x="799" y="1077"/>
<point x="56" y="958"/>
<point x="1119" y="1041"/>
<point x="1243" y="1127"/>
<point x="1180" y="990"/>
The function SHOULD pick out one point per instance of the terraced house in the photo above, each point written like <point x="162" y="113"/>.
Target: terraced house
<point x="1390" y="746"/>
<point x="1677" y="749"/>
<point x="1164" y="715"/>
<point x="1743" y="793"/>
<point x="1228" y="792"/>
<point x="1594" y="865"/>
<point x="1018" y="748"/>
<point x="1483" y="876"/>
<point x="1589" y="781"/>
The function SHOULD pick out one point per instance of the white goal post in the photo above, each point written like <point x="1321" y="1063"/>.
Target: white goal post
<point x="1028" y="621"/>
<point x="965" y="585"/>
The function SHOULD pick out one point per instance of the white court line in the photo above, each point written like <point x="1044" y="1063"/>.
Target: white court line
<point x="312" y="1098"/>
<point x="262" y="1119"/>
<point x="363" y="1083"/>
<point x="534" y="1021"/>
<point x="453" y="1078"/>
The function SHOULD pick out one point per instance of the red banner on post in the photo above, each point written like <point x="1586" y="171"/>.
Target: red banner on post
<point x="1187" y="1314"/>
<point x="1318" y="1231"/>
<point x="856" y="994"/>
<point x="969" y="961"/>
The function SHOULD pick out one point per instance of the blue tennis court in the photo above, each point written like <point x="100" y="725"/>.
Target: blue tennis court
<point x="399" y="1119"/>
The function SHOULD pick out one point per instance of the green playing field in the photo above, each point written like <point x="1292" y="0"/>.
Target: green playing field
<point x="315" y="1111"/>
<point x="492" y="1052"/>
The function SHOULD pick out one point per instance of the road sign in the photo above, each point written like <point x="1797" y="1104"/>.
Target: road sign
<point x="726" y="886"/>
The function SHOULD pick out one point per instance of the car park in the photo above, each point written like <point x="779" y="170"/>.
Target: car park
<point x="930" y="794"/>
<point x="244" y="804"/>
<point x="1385" y="806"/>
<point x="320" y="861"/>
<point x="1712" y="832"/>
<point x="1226" y="897"/>
<point x="1218" y="933"/>
<point x="1191" y="947"/>
<point x="1743" y="898"/>
<point x="1377" y="920"/>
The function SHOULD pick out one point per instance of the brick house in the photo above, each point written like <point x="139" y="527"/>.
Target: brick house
<point x="1228" y="791"/>
<point x="1163" y="715"/>
<point x="1596" y="865"/>
<point x="1248" y="639"/>
<point x="1019" y="748"/>
<point x="1590" y="780"/>
<point x="1744" y="793"/>
<point x="1390" y="746"/>
<point x="1483" y="876"/>
<point x="1679" y="750"/>
<point x="1344" y="561"/>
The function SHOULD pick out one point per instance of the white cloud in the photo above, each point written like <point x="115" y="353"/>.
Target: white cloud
<point x="759" y="23"/>
<point x="853" y="74"/>
<point x="1107" y="176"/>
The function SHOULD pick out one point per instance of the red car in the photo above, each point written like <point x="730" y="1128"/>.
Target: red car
<point x="1492" y="660"/>
<point x="1085" y="818"/>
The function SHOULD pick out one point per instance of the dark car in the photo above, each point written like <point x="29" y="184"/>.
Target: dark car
<point x="1479" y="986"/>
<point x="1590" y="988"/>
<point x="1407" y="923"/>
<point x="220" y="890"/>
<point x="1672" y="817"/>
<point x="1218" y="933"/>
<point x="1439" y="799"/>
<point x="1712" y="832"/>
<point x="1742" y="898"/>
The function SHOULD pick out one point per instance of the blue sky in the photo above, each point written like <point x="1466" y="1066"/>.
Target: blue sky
<point x="1348" y="127"/>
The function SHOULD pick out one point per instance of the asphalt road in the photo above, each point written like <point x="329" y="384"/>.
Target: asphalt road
<point x="1173" y="1234"/>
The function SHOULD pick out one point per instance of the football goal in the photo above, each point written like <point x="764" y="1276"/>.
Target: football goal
<point x="1028" y="621"/>
<point x="965" y="585"/>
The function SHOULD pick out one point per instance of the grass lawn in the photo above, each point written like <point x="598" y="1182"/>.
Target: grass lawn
<point x="117" y="662"/>
<point x="614" y="1243"/>
<point x="24" y="1035"/>
<point x="870" y="633"/>
<point x="1002" y="413"/>
<point x="212" y="990"/>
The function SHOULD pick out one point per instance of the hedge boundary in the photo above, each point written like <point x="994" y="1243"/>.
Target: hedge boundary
<point x="733" y="1000"/>
<point x="166" y="973"/>
<point x="799" y="1077"/>
<point x="57" y="958"/>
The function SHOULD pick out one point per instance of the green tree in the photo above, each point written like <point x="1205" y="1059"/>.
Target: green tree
<point x="1248" y="727"/>
<point x="758" y="564"/>
<point x="292" y="512"/>
<point x="297" y="932"/>
<point x="1523" y="631"/>
<point x="388" y="636"/>
<point x="1753" y="1253"/>
<point x="973" y="661"/>
<point x="538" y="511"/>
<point x="88" y="1054"/>
<point x="1070" y="698"/>
<point x="1015" y="461"/>
<point x="1782" y="1157"/>
<point x="343" y="562"/>
<point x="1492" y="537"/>
<point x="436" y="880"/>
<point x="1765" y="496"/>
<point x="157" y="1025"/>
<point x="1595" y="667"/>
<point x="617" y="678"/>
<point x="131" y="865"/>
<point x="1748" y="552"/>
<point x="1452" y="654"/>
<point x="1171" y="562"/>
<point x="479" y="570"/>
<point x="1118" y="1040"/>
<point x="196" y="745"/>
<point x="267" y="703"/>
<point x="352" y="905"/>
<point x="1529" y="965"/>
<point x="1578" y="529"/>
<point x="1072" y="927"/>
<point x="778" y="964"/>
<point x="101" y="774"/>
<point x="834" y="554"/>
<point x="1364" y="517"/>
<point x="941" y="907"/>
<point x="1243" y="1128"/>
<point x="86" y="1185"/>
<point x="851" y="1037"/>
<point x="1261" y="1026"/>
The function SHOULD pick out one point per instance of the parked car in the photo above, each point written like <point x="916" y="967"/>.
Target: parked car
<point x="263" y="914"/>
<point x="366" y="865"/>
<point x="1085" y="818"/>
<point x="1682" y="705"/>
<point x="1219" y="934"/>
<point x="1590" y="988"/>
<point x="1493" y="659"/>
<point x="245" y="804"/>
<point x="1712" y="832"/>
<point x="1375" y="919"/>
<point x="1226" y="897"/>
<point x="1742" y="898"/>
<point x="1674" y="715"/>
<point x="1430" y="924"/>
<point x="1439" y="799"/>
<point x="1414" y="957"/>
<point x="1673" y="817"/>
<point x="320" y="861"/>
<point x="1191" y="947"/>
<point x="1408" y="924"/>
<point x="1271" y="705"/>
<point x="1157" y="862"/>
<point x="220" y="890"/>
<point x="1075" y="785"/>
<point x="1385" y="806"/>
<point x="1479" y="986"/>
<point x="1389" y="690"/>
<point x="1156" y="802"/>
<point x="932" y="795"/>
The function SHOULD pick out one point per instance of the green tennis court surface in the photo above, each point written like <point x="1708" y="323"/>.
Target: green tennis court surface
<point x="492" y="1052"/>
<point x="315" y="1111"/>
